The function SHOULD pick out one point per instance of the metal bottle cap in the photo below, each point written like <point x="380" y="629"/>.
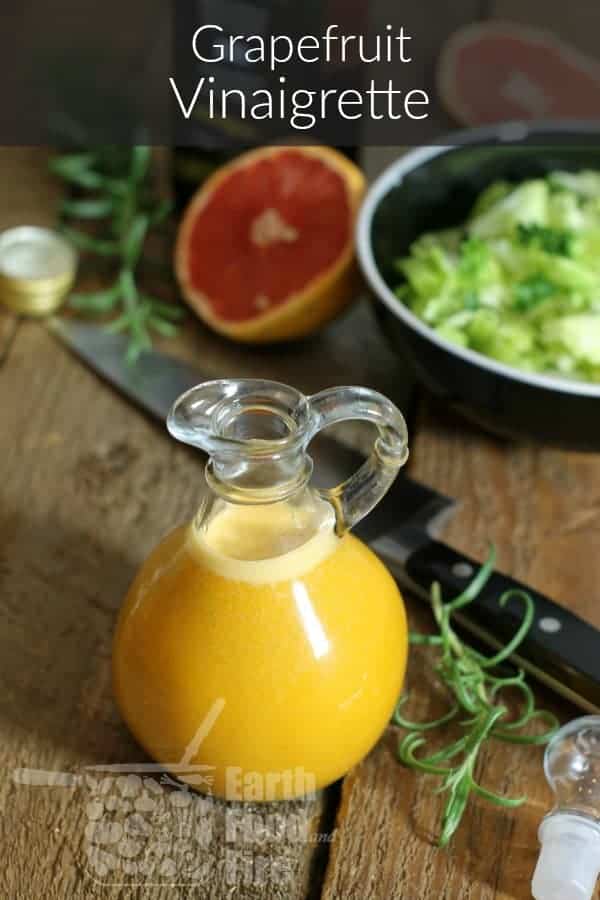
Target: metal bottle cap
<point x="37" y="269"/>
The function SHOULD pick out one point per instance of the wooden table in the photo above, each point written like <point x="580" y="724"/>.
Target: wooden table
<point x="89" y="485"/>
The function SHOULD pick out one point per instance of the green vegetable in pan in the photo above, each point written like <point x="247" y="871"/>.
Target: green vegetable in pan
<point x="520" y="280"/>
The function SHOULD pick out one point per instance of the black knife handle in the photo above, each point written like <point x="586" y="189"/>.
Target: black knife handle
<point x="560" y="649"/>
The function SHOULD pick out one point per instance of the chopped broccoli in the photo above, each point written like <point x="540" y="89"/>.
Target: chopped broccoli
<point x="552" y="240"/>
<point x="532" y="291"/>
<point x="520" y="280"/>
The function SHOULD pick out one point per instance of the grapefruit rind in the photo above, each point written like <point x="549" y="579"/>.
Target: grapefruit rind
<point x="319" y="301"/>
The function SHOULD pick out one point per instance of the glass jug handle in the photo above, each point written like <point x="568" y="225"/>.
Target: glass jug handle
<point x="354" y="498"/>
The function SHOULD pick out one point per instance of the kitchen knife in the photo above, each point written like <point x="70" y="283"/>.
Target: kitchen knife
<point x="561" y="650"/>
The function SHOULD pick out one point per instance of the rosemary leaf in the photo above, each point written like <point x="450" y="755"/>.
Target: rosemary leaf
<point x="528" y="707"/>
<point x="140" y="162"/>
<point x="458" y="788"/>
<point x="162" y="327"/>
<point x="476" y="585"/>
<point x="86" y="242"/>
<point x="161" y="213"/>
<point x="76" y="168"/>
<point x="165" y="310"/>
<point x="133" y="240"/>
<point x="118" y="325"/>
<point x="119" y="194"/>
<point x="498" y="798"/>
<point x="521" y="634"/>
<point x="406" y="754"/>
<point x="475" y="684"/>
<point x="448" y="751"/>
<point x="88" y="209"/>
<point x="428" y="639"/>
<point x="398" y="719"/>
<point x="96" y="301"/>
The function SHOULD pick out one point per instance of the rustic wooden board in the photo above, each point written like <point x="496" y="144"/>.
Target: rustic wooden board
<point x="8" y="329"/>
<point x="350" y="351"/>
<point x="541" y="508"/>
<point x="30" y="196"/>
<point x="88" y="487"/>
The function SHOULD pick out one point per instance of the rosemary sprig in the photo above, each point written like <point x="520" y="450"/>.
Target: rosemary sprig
<point x="469" y="677"/>
<point x="115" y="189"/>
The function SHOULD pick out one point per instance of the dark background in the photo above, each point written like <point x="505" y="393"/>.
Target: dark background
<point x="77" y="72"/>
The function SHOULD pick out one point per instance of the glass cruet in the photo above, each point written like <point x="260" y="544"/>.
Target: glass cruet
<point x="265" y="609"/>
<point x="569" y="860"/>
<point x="257" y="433"/>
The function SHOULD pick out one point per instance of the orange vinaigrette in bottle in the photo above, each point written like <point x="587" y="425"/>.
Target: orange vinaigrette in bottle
<point x="261" y="648"/>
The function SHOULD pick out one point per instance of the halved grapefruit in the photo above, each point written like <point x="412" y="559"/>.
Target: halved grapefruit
<point x="265" y="250"/>
<point x="501" y="71"/>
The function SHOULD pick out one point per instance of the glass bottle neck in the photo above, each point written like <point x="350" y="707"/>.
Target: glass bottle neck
<point x="257" y="432"/>
<point x="272" y="542"/>
<point x="259" y="478"/>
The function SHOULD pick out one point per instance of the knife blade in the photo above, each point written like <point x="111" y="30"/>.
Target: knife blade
<point x="561" y="649"/>
<point x="154" y="383"/>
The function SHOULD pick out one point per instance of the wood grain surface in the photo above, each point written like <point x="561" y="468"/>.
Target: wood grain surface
<point x="541" y="508"/>
<point x="89" y="484"/>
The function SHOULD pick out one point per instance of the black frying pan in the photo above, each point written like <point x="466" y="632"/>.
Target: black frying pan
<point x="435" y="187"/>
